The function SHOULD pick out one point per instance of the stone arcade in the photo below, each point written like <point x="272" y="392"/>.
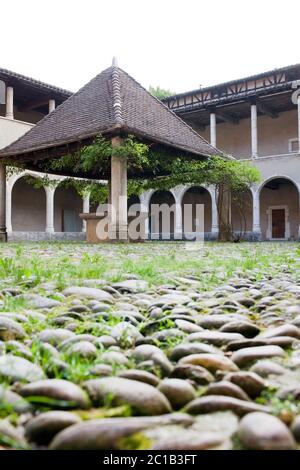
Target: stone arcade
<point x="255" y="119"/>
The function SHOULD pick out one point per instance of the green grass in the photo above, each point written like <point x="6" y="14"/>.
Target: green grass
<point x="28" y="265"/>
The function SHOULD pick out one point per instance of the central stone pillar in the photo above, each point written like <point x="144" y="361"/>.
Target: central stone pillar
<point x="118" y="226"/>
<point x="3" y="233"/>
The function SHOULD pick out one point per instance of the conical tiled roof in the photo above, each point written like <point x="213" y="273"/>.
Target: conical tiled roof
<point x="112" y="101"/>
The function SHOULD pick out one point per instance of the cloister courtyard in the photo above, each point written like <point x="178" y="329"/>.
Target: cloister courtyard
<point x="155" y="345"/>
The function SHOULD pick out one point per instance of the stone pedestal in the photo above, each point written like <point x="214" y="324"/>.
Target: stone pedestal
<point x="92" y="234"/>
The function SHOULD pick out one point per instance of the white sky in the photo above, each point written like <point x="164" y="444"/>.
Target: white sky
<point x="176" y="44"/>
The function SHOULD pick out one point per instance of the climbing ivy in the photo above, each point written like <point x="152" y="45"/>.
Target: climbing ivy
<point x="167" y="170"/>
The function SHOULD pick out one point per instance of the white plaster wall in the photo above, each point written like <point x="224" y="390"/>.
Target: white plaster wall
<point x="11" y="130"/>
<point x="28" y="207"/>
<point x="284" y="166"/>
<point x="273" y="135"/>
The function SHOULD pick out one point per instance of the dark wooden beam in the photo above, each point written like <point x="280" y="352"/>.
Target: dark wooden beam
<point x="265" y="109"/>
<point x="226" y="117"/>
<point x="196" y="125"/>
<point x="33" y="104"/>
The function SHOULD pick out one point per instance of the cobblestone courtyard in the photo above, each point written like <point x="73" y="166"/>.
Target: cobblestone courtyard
<point x="150" y="346"/>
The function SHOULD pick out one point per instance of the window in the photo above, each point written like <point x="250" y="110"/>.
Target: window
<point x="293" y="145"/>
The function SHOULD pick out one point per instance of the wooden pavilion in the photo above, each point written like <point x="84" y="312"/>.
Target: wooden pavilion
<point x="113" y="105"/>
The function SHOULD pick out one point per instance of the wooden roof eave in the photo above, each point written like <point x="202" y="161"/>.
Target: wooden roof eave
<point x="56" y="150"/>
<point x="232" y="98"/>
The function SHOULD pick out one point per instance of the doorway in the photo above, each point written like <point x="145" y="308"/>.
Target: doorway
<point x="278" y="217"/>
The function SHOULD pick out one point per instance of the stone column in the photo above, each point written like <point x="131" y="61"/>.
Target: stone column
<point x="178" y="219"/>
<point x="49" y="209"/>
<point x="298" y="187"/>
<point x="51" y="105"/>
<point x="213" y="129"/>
<point x="3" y="233"/>
<point x="298" y="102"/>
<point x="256" y="215"/>
<point x="85" y="209"/>
<point x="8" y="208"/>
<point x="178" y="192"/>
<point x="145" y="200"/>
<point x="214" y="213"/>
<point x="118" y="227"/>
<point x="254" y="152"/>
<point x="9" y="114"/>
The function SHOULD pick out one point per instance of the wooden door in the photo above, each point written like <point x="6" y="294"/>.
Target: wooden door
<point x="278" y="223"/>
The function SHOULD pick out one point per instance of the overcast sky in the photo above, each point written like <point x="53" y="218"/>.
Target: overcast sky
<point x="176" y="44"/>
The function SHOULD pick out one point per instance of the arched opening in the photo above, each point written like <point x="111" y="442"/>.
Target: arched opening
<point x="67" y="207"/>
<point x="191" y="198"/>
<point x="28" y="207"/>
<point x="131" y="201"/>
<point x="279" y="210"/>
<point x="242" y="213"/>
<point x="162" y="219"/>
<point x="134" y="211"/>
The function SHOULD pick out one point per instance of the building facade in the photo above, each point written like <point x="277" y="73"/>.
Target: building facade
<point x="256" y="119"/>
<point x="46" y="212"/>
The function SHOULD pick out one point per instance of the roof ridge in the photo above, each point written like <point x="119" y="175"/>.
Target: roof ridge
<point x="116" y="95"/>
<point x="170" y="111"/>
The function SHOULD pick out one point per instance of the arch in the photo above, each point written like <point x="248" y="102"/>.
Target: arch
<point x="159" y="227"/>
<point x="270" y="178"/>
<point x="279" y="208"/>
<point x="68" y="204"/>
<point x="198" y="195"/>
<point x="28" y="205"/>
<point x="242" y="213"/>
